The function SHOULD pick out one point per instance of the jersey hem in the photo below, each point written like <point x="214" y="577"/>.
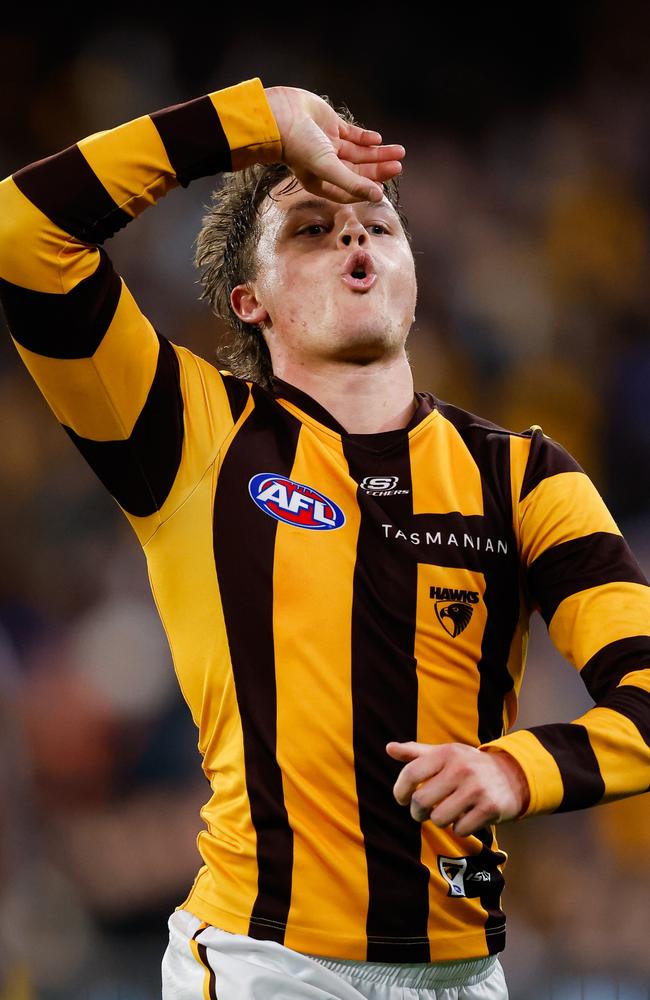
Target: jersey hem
<point x="316" y="942"/>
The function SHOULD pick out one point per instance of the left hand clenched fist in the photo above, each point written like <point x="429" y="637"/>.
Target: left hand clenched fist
<point x="459" y="784"/>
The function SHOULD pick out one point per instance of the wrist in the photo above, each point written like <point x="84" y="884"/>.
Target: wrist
<point x="516" y="778"/>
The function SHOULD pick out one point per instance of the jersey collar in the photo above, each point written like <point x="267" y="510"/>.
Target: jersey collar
<point x="284" y="390"/>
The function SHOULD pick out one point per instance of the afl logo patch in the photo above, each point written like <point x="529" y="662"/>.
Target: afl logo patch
<point x="294" y="503"/>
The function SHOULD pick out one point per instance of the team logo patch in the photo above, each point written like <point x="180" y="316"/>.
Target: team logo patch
<point x="454" y="608"/>
<point x="465" y="877"/>
<point x="294" y="503"/>
<point x="453" y="871"/>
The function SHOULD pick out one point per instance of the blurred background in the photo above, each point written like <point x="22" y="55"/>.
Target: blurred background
<point x="527" y="186"/>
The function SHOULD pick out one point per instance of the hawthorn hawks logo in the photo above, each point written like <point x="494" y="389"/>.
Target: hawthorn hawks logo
<point x="454" y="608"/>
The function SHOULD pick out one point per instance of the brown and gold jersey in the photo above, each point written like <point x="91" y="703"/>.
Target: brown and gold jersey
<point x="323" y="593"/>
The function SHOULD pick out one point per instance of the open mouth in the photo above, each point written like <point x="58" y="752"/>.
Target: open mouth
<point x="359" y="273"/>
<point x="359" y="280"/>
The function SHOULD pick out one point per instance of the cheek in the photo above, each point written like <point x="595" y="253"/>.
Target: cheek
<point x="297" y="284"/>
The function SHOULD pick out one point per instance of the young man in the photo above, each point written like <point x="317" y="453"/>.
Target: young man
<point x="344" y="568"/>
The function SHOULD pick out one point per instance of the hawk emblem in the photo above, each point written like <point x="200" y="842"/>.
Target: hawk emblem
<point x="454" y="616"/>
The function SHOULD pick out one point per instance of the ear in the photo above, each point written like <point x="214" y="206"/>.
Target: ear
<point x="246" y="306"/>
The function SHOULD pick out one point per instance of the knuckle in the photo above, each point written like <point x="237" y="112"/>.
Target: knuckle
<point x="488" y="807"/>
<point x="464" y="770"/>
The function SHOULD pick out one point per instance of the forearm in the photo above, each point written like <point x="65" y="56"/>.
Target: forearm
<point x="601" y="756"/>
<point x="93" y="188"/>
<point x="111" y="379"/>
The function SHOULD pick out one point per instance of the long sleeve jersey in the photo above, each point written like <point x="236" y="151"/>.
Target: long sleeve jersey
<point x="324" y="592"/>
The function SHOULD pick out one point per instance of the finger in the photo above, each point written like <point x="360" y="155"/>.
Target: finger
<point x="331" y="170"/>
<point x="473" y="820"/>
<point x="402" y="751"/>
<point x="335" y="193"/>
<point x="379" y="171"/>
<point x="354" y="153"/>
<point x="408" y="750"/>
<point x="331" y="191"/>
<point x="428" y="794"/>
<point x="354" y="133"/>
<point x="416" y="772"/>
<point x="452" y="808"/>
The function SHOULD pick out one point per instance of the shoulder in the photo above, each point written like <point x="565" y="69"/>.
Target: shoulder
<point x="480" y="433"/>
<point x="530" y="454"/>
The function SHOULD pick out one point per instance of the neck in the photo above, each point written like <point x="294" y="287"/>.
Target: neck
<point x="365" y="399"/>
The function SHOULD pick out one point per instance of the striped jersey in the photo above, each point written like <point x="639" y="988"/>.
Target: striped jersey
<point x="323" y="592"/>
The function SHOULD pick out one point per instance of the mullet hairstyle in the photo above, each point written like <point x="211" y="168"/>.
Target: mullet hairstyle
<point x="226" y="255"/>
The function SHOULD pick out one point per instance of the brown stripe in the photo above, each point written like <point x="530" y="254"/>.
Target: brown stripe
<point x="244" y="545"/>
<point x="569" y="745"/>
<point x="634" y="703"/>
<point x="66" y="189"/>
<point x="579" y="564"/>
<point x="64" y="326"/>
<point x="385" y="702"/>
<point x="194" y="139"/>
<point x="546" y="458"/>
<point x="489" y="894"/>
<point x="140" y="471"/>
<point x="238" y="392"/>
<point x="212" y="985"/>
<point x="489" y="446"/>
<point x="610" y="664"/>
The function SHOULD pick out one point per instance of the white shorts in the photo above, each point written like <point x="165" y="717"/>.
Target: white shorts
<point x="203" y="962"/>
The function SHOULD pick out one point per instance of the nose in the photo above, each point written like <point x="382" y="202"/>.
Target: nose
<point x="352" y="232"/>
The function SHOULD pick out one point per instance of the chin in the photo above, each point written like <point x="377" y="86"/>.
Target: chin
<point x="365" y="350"/>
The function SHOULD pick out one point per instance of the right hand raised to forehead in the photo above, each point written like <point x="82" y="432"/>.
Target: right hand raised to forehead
<point x="330" y="157"/>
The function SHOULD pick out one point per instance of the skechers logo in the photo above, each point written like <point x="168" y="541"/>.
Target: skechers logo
<point x="294" y="503"/>
<point x="454" y="608"/>
<point x="381" y="486"/>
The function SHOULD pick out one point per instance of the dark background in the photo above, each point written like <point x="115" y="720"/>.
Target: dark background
<point x="527" y="185"/>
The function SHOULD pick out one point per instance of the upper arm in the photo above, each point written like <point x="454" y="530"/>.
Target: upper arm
<point x="146" y="414"/>
<point x="580" y="570"/>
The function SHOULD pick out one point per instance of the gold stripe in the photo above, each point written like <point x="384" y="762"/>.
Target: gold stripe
<point x="145" y="173"/>
<point x="101" y="397"/>
<point x="637" y="678"/>
<point x="446" y="666"/>
<point x="585" y="622"/>
<point x="622" y="754"/>
<point x="447" y="675"/>
<point x="539" y="766"/>
<point x="516" y="662"/>
<point x="312" y="622"/>
<point x="207" y="424"/>
<point x="188" y="600"/>
<point x="249" y="123"/>
<point x="34" y="252"/>
<point x="206" y="978"/>
<point x="519" y="452"/>
<point x="443" y="448"/>
<point x="548" y="518"/>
